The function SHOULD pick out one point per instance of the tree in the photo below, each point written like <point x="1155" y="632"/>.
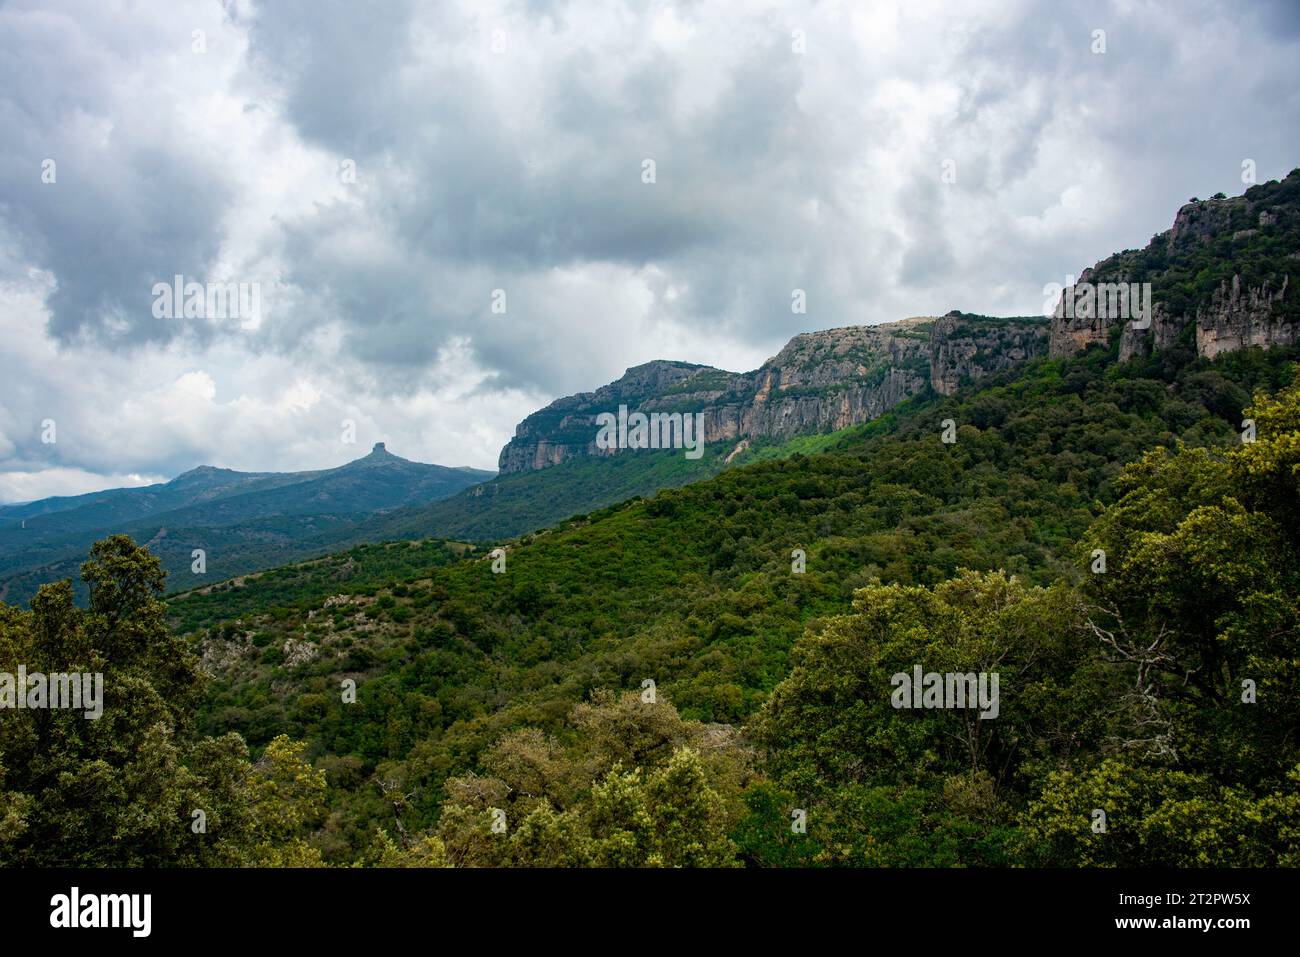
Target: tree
<point x="1199" y="606"/>
<point x="134" y="785"/>
<point x="669" y="817"/>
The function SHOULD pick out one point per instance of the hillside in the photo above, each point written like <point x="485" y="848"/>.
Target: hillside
<point x="694" y="589"/>
<point x="522" y="502"/>
<point x="820" y="383"/>
<point x="243" y="521"/>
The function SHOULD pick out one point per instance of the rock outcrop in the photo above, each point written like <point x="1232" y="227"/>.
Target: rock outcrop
<point x="1074" y="333"/>
<point x="819" y="382"/>
<point x="1238" y="316"/>
<point x="966" y="349"/>
<point x="1220" y="280"/>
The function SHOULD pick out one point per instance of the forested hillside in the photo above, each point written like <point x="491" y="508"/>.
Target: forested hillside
<point x="523" y="691"/>
<point x="512" y="505"/>
<point x="241" y="521"/>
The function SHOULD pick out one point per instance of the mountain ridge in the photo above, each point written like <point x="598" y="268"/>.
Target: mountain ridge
<point x="234" y="517"/>
<point x="820" y="381"/>
<point x="1221" y="282"/>
<point x="1219" y="277"/>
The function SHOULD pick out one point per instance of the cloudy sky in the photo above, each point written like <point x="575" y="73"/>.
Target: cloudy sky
<point x="381" y="170"/>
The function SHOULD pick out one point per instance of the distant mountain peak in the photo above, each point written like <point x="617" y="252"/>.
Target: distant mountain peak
<point x="261" y="518"/>
<point x="379" y="455"/>
<point x="202" y="473"/>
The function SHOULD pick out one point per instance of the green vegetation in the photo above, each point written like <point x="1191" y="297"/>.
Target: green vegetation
<point x="520" y="700"/>
<point x="243" y="522"/>
<point x="522" y="502"/>
<point x="293" y="589"/>
<point x="773" y="686"/>
<point x="1223" y="238"/>
<point x="137" y="787"/>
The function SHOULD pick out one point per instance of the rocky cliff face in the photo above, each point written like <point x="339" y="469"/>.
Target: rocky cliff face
<point x="820" y="382"/>
<point x="964" y="348"/>
<point x="1239" y="316"/>
<point x="1071" y="334"/>
<point x="1221" y="280"/>
<point x="566" y="428"/>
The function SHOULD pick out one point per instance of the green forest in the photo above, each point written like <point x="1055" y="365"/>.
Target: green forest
<point x="703" y="677"/>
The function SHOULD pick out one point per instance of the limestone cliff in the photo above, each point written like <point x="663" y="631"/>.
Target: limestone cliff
<point x="819" y="382"/>
<point x="1221" y="279"/>
<point x="967" y="348"/>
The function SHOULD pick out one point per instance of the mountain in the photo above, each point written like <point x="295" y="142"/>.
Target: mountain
<point x="478" y="689"/>
<point x="499" y="688"/>
<point x="241" y="520"/>
<point x="96" y="509"/>
<point x="798" y="402"/>
<point x="819" y="382"/>
<point x="1222" y="278"/>
<point x="1219" y="281"/>
<point x="522" y="502"/>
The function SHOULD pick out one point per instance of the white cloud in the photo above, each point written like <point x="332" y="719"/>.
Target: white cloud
<point x="28" y="486"/>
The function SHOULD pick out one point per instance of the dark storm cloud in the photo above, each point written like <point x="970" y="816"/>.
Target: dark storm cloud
<point x="338" y="62"/>
<point x="505" y="198"/>
<point x="129" y="204"/>
<point x="476" y="197"/>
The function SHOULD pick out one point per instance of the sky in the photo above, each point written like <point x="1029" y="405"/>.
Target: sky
<point x="448" y="215"/>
